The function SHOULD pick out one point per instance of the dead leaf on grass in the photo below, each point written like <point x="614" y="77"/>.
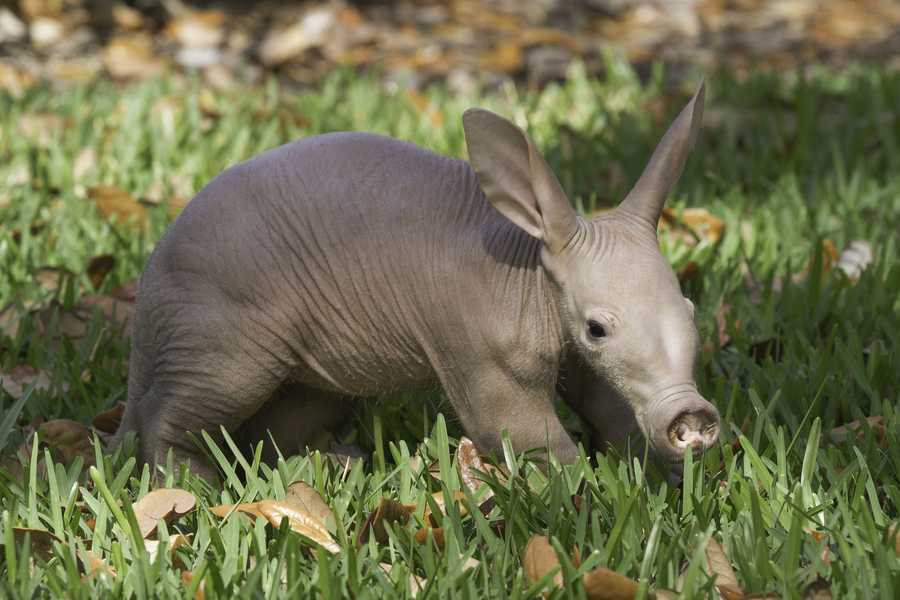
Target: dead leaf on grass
<point x="108" y="421"/>
<point x="604" y="584"/>
<point x="275" y="512"/>
<point x="539" y="558"/>
<point x="115" y="204"/>
<point x="162" y="504"/>
<point x="67" y="440"/>
<point x="692" y="225"/>
<point x="132" y="57"/>
<point x="19" y="378"/>
<point x="309" y="500"/>
<point x="99" y="267"/>
<point x="719" y="567"/>
<point x="856" y="430"/>
<point x="41" y="540"/>
<point x="300" y="522"/>
<point x="893" y="531"/>
<point x="175" y="541"/>
<point x="416" y="583"/>
<point x="94" y="566"/>
<point x="187" y="579"/>
<point x="438" y="497"/>
<point x="437" y="534"/>
<point x="52" y="279"/>
<point x="388" y="511"/>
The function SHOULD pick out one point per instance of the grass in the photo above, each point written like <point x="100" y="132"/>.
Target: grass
<point x="786" y="161"/>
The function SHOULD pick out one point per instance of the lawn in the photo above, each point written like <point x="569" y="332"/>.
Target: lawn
<point x="789" y="170"/>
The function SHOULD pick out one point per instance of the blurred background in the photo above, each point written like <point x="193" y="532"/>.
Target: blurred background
<point x="468" y="44"/>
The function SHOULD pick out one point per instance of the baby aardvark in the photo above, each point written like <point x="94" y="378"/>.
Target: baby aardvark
<point x="349" y="265"/>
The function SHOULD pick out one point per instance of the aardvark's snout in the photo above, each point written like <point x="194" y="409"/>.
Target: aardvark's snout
<point x="681" y="421"/>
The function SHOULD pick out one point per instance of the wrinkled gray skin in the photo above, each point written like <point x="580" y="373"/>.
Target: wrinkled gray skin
<point x="350" y="265"/>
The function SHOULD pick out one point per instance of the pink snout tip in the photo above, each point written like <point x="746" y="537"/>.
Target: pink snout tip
<point x="696" y="429"/>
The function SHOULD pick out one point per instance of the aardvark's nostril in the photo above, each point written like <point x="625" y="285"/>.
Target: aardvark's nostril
<point x="697" y="430"/>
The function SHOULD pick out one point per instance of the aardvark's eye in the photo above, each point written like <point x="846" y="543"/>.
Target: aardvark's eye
<point x="596" y="330"/>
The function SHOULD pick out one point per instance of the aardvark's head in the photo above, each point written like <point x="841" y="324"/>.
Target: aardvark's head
<point x="619" y="299"/>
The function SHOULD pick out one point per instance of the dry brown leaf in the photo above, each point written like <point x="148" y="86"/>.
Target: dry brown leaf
<point x="85" y="162"/>
<point x="311" y="30"/>
<point x="437" y="534"/>
<point x="719" y="567"/>
<point x="108" y="421"/>
<point x="117" y="204"/>
<point x="52" y="279"/>
<point x="309" y="500"/>
<point x="818" y="590"/>
<point x="43" y="129"/>
<point x="99" y="268"/>
<point x="114" y="310"/>
<point x="67" y="440"/>
<point x="458" y="497"/>
<point x="132" y="57"/>
<point x="175" y="541"/>
<point x="893" y="531"/>
<point x="197" y="29"/>
<point x="14" y="81"/>
<point x="506" y="57"/>
<point x="300" y="521"/>
<point x="416" y="583"/>
<point x="41" y="540"/>
<point x="187" y="578"/>
<point x="539" y="558"/>
<point x="469" y="462"/>
<point x="94" y="566"/>
<point x="388" y="511"/>
<point x="16" y="380"/>
<point x="603" y="584"/>
<point x="126" y="17"/>
<point x="162" y="504"/>
<point x="692" y="222"/>
<point x="855" y="430"/>
<point x="251" y="509"/>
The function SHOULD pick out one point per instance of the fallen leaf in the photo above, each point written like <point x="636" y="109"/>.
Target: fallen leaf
<point x="94" y="566"/>
<point x="132" y="57"/>
<point x="162" y="504"/>
<point x="893" y="531"/>
<point x="692" y="225"/>
<point x="719" y="567"/>
<point x="388" y="511"/>
<point x="437" y="534"/>
<point x="115" y="310"/>
<point x="603" y="584"/>
<point x="438" y="497"/>
<point x="187" y="579"/>
<point x="818" y="590"/>
<point x="223" y="510"/>
<point x="539" y="558"/>
<point x="300" y="522"/>
<point x="85" y="162"/>
<point x="416" y="583"/>
<point x="175" y="541"/>
<point x="52" y="279"/>
<point x="201" y="28"/>
<point x="855" y="259"/>
<point x="108" y="421"/>
<point x="41" y="540"/>
<point x="99" y="268"/>
<point x="16" y="380"/>
<point x="116" y="204"/>
<point x="312" y="29"/>
<point x="506" y="57"/>
<point x="470" y="462"/>
<point x="856" y="430"/>
<point x="67" y="440"/>
<point x="310" y="501"/>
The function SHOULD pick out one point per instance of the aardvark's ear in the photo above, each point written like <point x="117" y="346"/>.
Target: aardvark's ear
<point x="647" y="197"/>
<point x="516" y="179"/>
